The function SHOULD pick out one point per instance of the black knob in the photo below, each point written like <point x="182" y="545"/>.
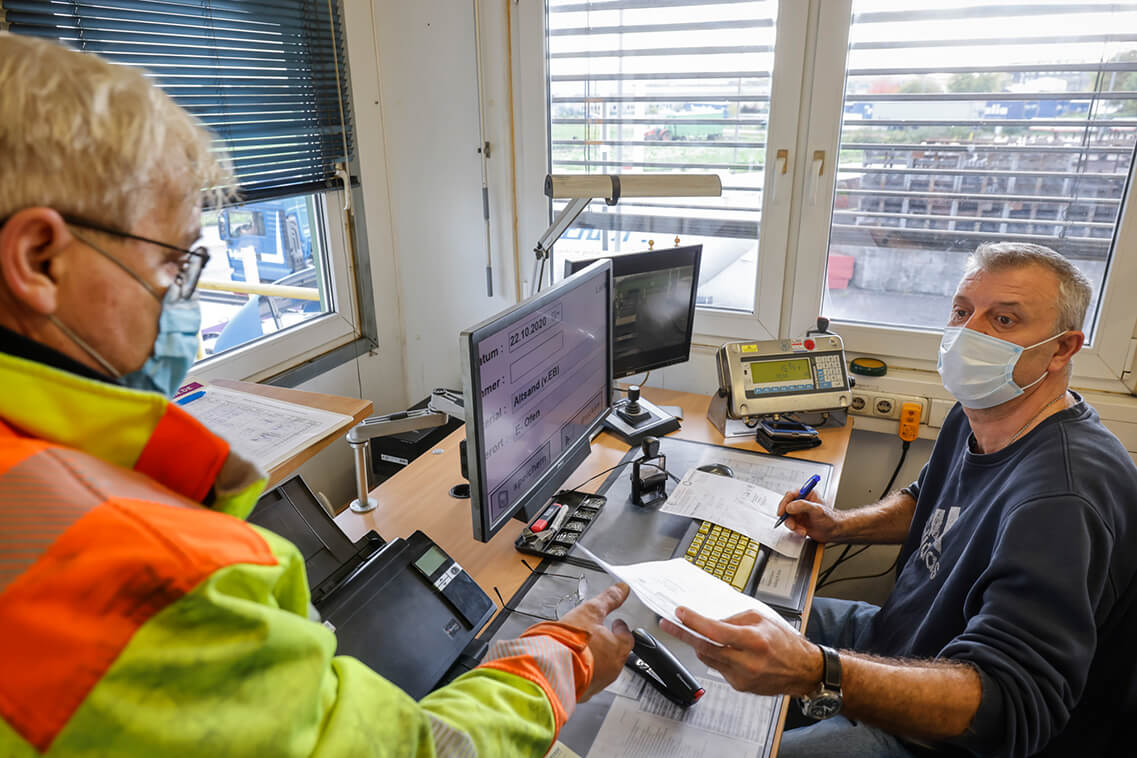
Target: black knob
<point x="650" y="447"/>
<point x="634" y="393"/>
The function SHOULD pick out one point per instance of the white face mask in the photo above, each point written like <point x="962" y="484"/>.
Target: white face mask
<point x="978" y="369"/>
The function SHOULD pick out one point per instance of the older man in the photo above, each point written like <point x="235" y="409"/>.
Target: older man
<point x="138" y="615"/>
<point x="1011" y="627"/>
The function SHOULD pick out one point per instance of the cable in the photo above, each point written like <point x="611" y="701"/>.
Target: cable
<point x="640" y="383"/>
<point x="823" y="578"/>
<point x="602" y="473"/>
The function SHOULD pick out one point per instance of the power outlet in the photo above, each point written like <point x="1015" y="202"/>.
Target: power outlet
<point x="886" y="405"/>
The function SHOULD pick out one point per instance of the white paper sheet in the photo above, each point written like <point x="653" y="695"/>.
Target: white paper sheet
<point x="264" y="430"/>
<point x="663" y="586"/>
<point x="627" y="684"/>
<point x="744" y="507"/>
<point x="724" y="723"/>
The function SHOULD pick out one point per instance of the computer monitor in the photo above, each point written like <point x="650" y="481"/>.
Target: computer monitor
<point x="537" y="380"/>
<point x="653" y="307"/>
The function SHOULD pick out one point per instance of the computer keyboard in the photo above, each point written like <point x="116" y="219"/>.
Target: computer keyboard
<point x="724" y="553"/>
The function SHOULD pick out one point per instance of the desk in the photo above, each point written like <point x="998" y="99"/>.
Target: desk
<point x="416" y="498"/>
<point x="349" y="406"/>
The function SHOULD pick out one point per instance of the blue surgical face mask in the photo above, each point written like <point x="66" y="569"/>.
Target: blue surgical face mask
<point x="978" y="369"/>
<point x="174" y="351"/>
<point x="175" y="347"/>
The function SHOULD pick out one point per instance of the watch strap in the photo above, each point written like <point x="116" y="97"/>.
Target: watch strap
<point x="831" y="669"/>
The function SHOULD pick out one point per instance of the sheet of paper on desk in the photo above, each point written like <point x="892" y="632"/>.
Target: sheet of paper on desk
<point x="723" y="723"/>
<point x="262" y="429"/>
<point x="735" y="504"/>
<point x="663" y="586"/>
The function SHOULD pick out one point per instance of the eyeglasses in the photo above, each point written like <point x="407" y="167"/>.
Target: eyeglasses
<point x="568" y="591"/>
<point x="192" y="262"/>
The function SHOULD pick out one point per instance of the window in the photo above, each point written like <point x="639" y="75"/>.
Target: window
<point x="964" y="125"/>
<point x="266" y="271"/>
<point x="866" y="146"/>
<point x="270" y="80"/>
<point x="643" y="87"/>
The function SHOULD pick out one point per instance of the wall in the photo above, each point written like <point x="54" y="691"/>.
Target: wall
<point x="429" y="91"/>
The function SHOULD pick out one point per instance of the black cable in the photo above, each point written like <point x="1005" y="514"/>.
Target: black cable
<point x="823" y="578"/>
<point x="602" y="473"/>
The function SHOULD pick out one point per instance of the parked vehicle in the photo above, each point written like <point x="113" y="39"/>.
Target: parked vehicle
<point x="276" y="233"/>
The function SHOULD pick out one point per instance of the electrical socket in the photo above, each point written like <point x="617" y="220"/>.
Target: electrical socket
<point x="885" y="404"/>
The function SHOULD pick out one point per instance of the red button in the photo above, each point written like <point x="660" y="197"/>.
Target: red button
<point x="809" y="344"/>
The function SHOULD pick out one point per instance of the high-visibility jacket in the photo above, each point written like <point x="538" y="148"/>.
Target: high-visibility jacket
<point x="136" y="621"/>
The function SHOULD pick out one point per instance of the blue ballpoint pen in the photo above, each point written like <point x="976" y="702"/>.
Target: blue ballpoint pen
<point x="802" y="493"/>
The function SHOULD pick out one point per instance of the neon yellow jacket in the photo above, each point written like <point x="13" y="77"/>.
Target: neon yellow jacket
<point x="134" y="621"/>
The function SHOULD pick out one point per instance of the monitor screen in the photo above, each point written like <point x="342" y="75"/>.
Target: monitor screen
<point x="537" y="380"/>
<point x="653" y="307"/>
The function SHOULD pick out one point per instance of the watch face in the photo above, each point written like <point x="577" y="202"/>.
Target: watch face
<point x="824" y="705"/>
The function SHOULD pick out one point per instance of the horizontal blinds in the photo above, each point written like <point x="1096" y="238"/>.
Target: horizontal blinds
<point x="663" y="86"/>
<point x="265" y="77"/>
<point x="987" y="122"/>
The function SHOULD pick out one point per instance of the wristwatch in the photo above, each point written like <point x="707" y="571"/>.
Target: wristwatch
<point x="825" y="701"/>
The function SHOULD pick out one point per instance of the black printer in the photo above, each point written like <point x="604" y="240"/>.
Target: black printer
<point x="404" y="607"/>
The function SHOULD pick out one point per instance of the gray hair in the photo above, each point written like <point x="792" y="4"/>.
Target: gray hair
<point x="1074" y="288"/>
<point x="98" y="140"/>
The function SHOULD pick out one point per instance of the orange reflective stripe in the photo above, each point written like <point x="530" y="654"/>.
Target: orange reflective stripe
<point x="40" y="498"/>
<point x="183" y="454"/>
<point x="65" y="619"/>
<point x="16" y="448"/>
<point x="553" y="656"/>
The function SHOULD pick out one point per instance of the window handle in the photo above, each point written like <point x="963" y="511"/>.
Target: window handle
<point x="815" y="174"/>
<point x="781" y="161"/>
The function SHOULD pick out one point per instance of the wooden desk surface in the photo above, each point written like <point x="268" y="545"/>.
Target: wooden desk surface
<point x="417" y="498"/>
<point x="350" y="406"/>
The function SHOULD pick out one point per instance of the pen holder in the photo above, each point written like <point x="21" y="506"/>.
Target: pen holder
<point x="550" y="542"/>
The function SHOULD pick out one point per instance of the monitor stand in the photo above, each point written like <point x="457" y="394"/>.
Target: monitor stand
<point x="634" y="418"/>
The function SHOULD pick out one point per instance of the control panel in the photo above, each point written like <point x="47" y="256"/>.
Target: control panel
<point x="783" y="376"/>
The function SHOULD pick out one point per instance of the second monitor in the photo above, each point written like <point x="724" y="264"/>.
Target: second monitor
<point x="653" y="303"/>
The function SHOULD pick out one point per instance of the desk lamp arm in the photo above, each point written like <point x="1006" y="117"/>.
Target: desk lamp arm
<point x="443" y="404"/>
<point x="563" y="221"/>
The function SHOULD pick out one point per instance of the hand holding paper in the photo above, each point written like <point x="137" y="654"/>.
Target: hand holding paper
<point x="665" y="585"/>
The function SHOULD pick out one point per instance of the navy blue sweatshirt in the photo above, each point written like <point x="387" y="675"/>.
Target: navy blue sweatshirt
<point x="1021" y="563"/>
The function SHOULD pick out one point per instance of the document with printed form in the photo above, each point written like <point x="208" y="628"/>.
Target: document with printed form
<point x="744" y="507"/>
<point x="663" y="586"/>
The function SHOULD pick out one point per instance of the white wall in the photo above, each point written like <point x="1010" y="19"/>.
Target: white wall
<point x="430" y="135"/>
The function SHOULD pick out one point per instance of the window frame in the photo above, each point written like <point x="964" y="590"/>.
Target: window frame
<point x="533" y="160"/>
<point x="260" y="359"/>
<point x="794" y="239"/>
<point x="1105" y="365"/>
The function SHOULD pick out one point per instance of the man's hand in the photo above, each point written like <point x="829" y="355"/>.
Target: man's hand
<point x="810" y="517"/>
<point x="756" y="655"/>
<point x="610" y="648"/>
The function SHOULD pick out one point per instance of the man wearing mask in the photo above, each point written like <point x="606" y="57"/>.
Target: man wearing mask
<point x="139" y="614"/>
<point x="1010" y="630"/>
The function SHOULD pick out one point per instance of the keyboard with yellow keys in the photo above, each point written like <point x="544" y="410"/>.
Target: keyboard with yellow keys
<point x="724" y="553"/>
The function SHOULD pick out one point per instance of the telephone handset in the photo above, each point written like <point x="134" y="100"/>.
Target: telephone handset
<point x="780" y="376"/>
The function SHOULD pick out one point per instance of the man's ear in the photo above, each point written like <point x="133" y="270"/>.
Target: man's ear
<point x="1068" y="344"/>
<point x="31" y="245"/>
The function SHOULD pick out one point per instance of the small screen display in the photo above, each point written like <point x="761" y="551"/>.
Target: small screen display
<point x="765" y="372"/>
<point x="429" y="561"/>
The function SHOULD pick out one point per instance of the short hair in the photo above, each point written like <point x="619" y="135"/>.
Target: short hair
<point x="1074" y="288"/>
<point x="98" y="140"/>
